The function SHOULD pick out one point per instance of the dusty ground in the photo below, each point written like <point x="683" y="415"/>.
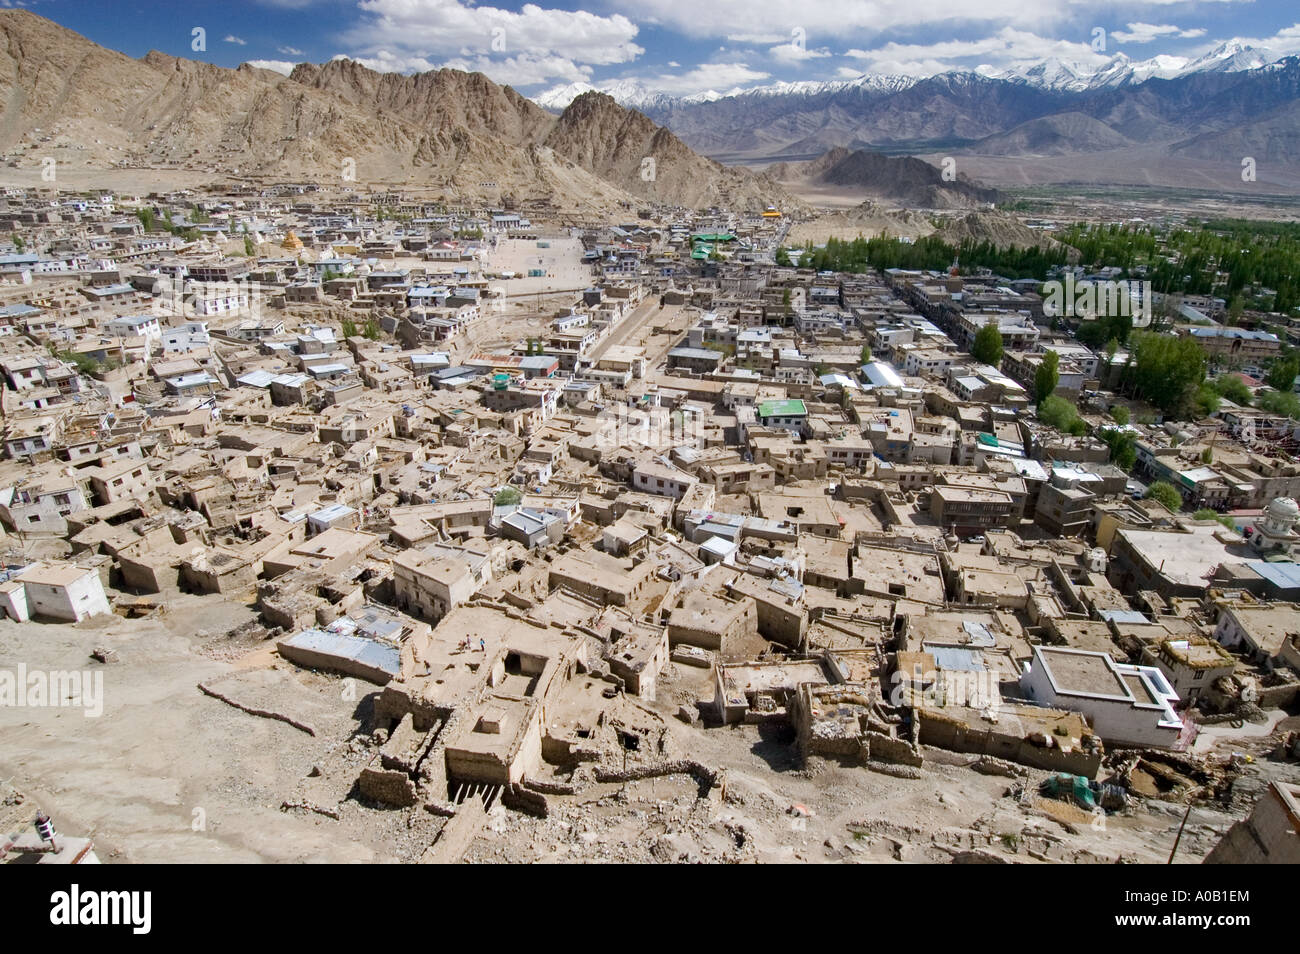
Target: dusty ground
<point x="167" y="774"/>
<point x="565" y="270"/>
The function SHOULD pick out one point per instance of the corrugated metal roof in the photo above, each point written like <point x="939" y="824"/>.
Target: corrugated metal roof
<point x="1282" y="575"/>
<point x="957" y="658"/>
<point x="365" y="651"/>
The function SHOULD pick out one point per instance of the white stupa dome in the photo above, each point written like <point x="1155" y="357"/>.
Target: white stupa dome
<point x="1284" y="510"/>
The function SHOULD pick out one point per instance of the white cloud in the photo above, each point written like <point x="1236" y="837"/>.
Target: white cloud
<point x="1284" y="42"/>
<point x="386" y="61"/>
<point x="289" y="51"/>
<point x="531" y="46"/>
<point x="231" y="38"/>
<point x="790" y="53"/>
<point x="277" y="66"/>
<point x="1146" y="32"/>
<point x="1006" y="48"/>
<point x="823" y="20"/>
<point x="758" y="39"/>
<point x="706" y="76"/>
<point x="523" y="70"/>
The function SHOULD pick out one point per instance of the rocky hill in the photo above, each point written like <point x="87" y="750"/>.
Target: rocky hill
<point x="901" y="180"/>
<point x="90" y="108"/>
<point x="627" y="149"/>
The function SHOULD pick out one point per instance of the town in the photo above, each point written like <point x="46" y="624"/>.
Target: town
<point x="501" y="533"/>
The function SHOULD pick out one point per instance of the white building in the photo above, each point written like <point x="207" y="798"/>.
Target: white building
<point x="192" y="334"/>
<point x="61" y="591"/>
<point x="128" y="326"/>
<point x="1126" y="705"/>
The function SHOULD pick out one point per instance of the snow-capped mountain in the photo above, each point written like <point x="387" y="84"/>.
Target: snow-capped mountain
<point x="1049" y="74"/>
<point x="626" y="93"/>
<point x="636" y="96"/>
<point x="870" y="82"/>
<point x="1231" y="57"/>
<point x="1119" y="70"/>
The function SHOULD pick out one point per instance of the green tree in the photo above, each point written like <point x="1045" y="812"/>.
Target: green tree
<point x="1166" y="370"/>
<point x="1120" y="414"/>
<point x="783" y="256"/>
<point x="507" y="497"/>
<point x="987" y="346"/>
<point x="349" y="328"/>
<point x="1234" y="389"/>
<point x="371" y="329"/>
<point x="84" y="363"/>
<point x="1047" y="377"/>
<point x="18" y="242"/>
<point x="864" y="356"/>
<point x="1166" y="494"/>
<point x="1235" y="308"/>
<point x="1059" y="413"/>
<point x="1206" y="400"/>
<point x="146" y="218"/>
<point x="1282" y="375"/>
<point x="1285" y="403"/>
<point x="1123" y="448"/>
<point x="249" y="247"/>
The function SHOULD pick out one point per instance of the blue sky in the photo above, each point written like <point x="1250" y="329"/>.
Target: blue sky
<point x="675" y="46"/>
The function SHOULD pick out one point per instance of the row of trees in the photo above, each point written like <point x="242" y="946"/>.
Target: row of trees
<point x="1223" y="257"/>
<point x="1226" y="257"/>
<point x="930" y="252"/>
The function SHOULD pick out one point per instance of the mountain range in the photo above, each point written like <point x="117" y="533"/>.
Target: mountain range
<point x="87" y="107"/>
<point x="1146" y="117"/>
<point x="1051" y="73"/>
<point x="1154" y="122"/>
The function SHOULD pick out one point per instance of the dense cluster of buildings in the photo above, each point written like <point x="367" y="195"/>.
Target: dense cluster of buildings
<point x="514" y="541"/>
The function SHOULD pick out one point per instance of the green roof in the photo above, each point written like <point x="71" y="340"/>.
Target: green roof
<point x="988" y="439"/>
<point x="787" y="408"/>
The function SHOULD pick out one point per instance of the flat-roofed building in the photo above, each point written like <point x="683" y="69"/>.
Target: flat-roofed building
<point x="969" y="510"/>
<point x="601" y="577"/>
<point x="1263" y="631"/>
<point x="430" y="582"/>
<point x="1192" y="664"/>
<point x="60" y="591"/>
<point x="1126" y="705"/>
